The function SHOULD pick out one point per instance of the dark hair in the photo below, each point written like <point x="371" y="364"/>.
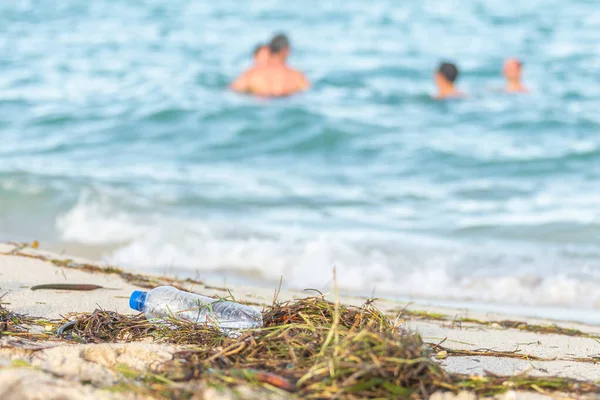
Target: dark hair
<point x="279" y="43"/>
<point x="258" y="48"/>
<point x="449" y="71"/>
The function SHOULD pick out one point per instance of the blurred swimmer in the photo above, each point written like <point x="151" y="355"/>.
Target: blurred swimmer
<point x="445" y="76"/>
<point x="273" y="78"/>
<point x="512" y="72"/>
<point x="262" y="54"/>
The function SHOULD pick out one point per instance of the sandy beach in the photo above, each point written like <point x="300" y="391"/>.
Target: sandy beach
<point x="36" y="364"/>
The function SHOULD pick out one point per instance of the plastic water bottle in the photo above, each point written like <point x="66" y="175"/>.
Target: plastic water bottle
<point x="166" y="303"/>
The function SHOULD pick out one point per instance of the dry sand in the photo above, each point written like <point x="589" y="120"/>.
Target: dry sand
<point x="38" y="370"/>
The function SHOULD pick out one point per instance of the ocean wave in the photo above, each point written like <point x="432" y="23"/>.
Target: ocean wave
<point x="502" y="149"/>
<point x="405" y="266"/>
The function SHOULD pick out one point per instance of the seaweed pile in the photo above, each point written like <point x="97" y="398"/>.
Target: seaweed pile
<point x="505" y="324"/>
<point x="308" y="348"/>
<point x="11" y="322"/>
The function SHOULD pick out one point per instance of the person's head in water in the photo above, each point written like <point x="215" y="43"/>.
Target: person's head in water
<point x="447" y="72"/>
<point x="445" y="77"/>
<point x="261" y="54"/>
<point x="280" y="47"/>
<point x="512" y="72"/>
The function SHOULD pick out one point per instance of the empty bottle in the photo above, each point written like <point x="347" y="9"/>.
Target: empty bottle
<point x="166" y="303"/>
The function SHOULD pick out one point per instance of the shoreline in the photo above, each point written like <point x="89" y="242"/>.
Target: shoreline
<point x="463" y="341"/>
<point x="555" y="313"/>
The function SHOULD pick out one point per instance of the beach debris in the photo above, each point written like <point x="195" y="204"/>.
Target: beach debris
<point x="11" y="321"/>
<point x="103" y="326"/>
<point x="17" y="325"/>
<point x="266" y="377"/>
<point x="67" y="286"/>
<point x="444" y="352"/>
<point x="310" y="347"/>
<point x="505" y="324"/>
<point x="65" y="327"/>
<point x="166" y="303"/>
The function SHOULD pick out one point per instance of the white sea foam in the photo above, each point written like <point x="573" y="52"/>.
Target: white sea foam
<point x="95" y="223"/>
<point x="396" y="266"/>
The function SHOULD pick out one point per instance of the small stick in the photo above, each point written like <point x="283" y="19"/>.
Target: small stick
<point x="274" y="380"/>
<point x="67" y="286"/>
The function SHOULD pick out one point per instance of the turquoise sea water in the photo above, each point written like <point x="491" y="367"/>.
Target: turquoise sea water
<point x="119" y="139"/>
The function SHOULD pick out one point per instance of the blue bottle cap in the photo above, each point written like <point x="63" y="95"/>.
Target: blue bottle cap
<point x="137" y="300"/>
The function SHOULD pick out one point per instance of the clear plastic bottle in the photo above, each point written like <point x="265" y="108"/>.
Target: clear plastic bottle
<point x="166" y="303"/>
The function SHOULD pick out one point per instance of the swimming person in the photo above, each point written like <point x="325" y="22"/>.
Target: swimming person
<point x="262" y="54"/>
<point x="445" y="76"/>
<point x="273" y="78"/>
<point x="512" y="72"/>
